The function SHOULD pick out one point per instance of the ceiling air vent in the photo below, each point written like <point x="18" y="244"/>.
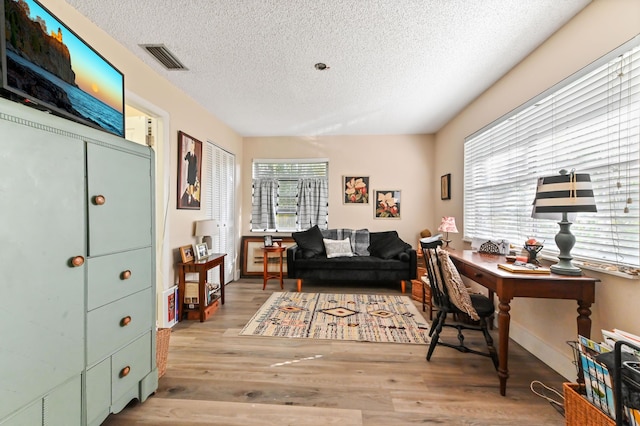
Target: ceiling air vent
<point x="164" y="56"/>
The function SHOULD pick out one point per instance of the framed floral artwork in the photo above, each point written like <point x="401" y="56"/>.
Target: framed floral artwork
<point x="387" y="204"/>
<point x="356" y="189"/>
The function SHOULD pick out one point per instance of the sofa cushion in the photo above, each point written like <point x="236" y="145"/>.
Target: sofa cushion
<point x="355" y="263"/>
<point x="310" y="241"/>
<point x="337" y="248"/>
<point x="387" y="246"/>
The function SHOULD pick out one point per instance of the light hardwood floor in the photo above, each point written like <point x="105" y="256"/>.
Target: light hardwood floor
<point x="216" y="377"/>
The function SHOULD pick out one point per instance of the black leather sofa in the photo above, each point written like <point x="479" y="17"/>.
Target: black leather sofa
<point x="389" y="259"/>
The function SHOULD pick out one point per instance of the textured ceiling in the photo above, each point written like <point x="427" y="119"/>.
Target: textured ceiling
<point x="396" y="66"/>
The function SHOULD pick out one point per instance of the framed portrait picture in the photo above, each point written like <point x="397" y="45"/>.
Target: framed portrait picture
<point x="387" y="204"/>
<point x="268" y="241"/>
<point x="189" y="172"/>
<point x="201" y="251"/>
<point x="356" y="189"/>
<point x="445" y="187"/>
<point x="186" y="253"/>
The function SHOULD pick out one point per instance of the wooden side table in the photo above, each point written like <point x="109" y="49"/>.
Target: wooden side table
<point x="266" y="275"/>
<point x="200" y="267"/>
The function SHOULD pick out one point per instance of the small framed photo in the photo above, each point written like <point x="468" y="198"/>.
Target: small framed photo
<point x="186" y="253"/>
<point x="356" y="189"/>
<point x="268" y="241"/>
<point x="201" y="251"/>
<point x="387" y="204"/>
<point x="445" y="187"/>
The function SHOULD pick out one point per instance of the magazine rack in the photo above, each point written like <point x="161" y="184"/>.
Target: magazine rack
<point x="623" y="372"/>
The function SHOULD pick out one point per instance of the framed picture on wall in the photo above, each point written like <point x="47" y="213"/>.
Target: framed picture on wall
<point x="387" y="204"/>
<point x="356" y="189"/>
<point x="445" y="187"/>
<point x="189" y="172"/>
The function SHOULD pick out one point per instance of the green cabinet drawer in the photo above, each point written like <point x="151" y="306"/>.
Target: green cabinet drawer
<point x="130" y="365"/>
<point x="117" y="275"/>
<point x="106" y="329"/>
<point x="98" y="391"/>
<point x="28" y="416"/>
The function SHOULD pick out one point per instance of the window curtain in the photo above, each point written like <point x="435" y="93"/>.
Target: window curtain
<point x="313" y="194"/>
<point x="263" y="214"/>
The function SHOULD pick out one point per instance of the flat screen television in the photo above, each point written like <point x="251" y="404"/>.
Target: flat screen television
<point x="46" y="65"/>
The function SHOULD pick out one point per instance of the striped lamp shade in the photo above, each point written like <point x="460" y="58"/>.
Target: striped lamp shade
<point x="564" y="193"/>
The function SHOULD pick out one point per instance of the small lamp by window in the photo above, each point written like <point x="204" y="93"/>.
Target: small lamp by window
<point x="447" y="225"/>
<point x="207" y="229"/>
<point x="563" y="194"/>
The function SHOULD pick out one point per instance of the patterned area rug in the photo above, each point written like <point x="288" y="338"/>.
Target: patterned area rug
<point x="361" y="317"/>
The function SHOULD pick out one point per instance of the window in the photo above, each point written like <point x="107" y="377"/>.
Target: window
<point x="589" y="122"/>
<point x="289" y="195"/>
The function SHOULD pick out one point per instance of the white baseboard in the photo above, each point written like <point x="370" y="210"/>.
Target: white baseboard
<point x="554" y="358"/>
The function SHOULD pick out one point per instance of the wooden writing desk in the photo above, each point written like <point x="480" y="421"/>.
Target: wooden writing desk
<point x="483" y="269"/>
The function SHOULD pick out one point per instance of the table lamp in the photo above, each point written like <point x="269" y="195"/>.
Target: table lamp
<point x="563" y="194"/>
<point x="447" y="225"/>
<point x="207" y="229"/>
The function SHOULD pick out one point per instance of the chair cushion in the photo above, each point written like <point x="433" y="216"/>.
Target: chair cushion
<point x="309" y="241"/>
<point x="458" y="293"/>
<point x="337" y="248"/>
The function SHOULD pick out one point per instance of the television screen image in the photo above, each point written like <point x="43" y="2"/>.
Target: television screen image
<point x="48" y="65"/>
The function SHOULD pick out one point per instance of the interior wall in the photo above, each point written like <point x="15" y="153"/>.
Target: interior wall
<point x="544" y="326"/>
<point x="184" y="115"/>
<point x="403" y="162"/>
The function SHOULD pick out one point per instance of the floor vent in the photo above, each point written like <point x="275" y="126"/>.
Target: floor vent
<point x="164" y="56"/>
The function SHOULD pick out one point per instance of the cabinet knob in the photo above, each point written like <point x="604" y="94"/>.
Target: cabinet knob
<point x="125" y="371"/>
<point x="126" y="275"/>
<point x="77" y="261"/>
<point x="125" y="321"/>
<point x="99" y="200"/>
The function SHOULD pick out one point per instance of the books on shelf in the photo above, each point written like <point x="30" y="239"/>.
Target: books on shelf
<point x="524" y="269"/>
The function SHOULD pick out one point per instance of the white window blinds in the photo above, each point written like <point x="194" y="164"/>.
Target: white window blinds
<point x="275" y="193"/>
<point x="590" y="123"/>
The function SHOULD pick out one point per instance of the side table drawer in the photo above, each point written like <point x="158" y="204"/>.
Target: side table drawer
<point x="118" y="275"/>
<point x="106" y="329"/>
<point x="130" y="365"/>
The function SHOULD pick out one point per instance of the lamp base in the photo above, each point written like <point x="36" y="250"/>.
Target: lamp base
<point x="208" y="241"/>
<point x="566" y="269"/>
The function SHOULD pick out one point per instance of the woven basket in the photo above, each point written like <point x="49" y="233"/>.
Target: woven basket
<point x="578" y="411"/>
<point x="162" y="349"/>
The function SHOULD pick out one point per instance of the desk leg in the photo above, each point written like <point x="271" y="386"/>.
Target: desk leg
<point x="281" y="274"/>
<point x="503" y="351"/>
<point x="180" y="301"/>
<point x="222" y="282"/>
<point x="265" y="269"/>
<point x="584" y="327"/>
<point x="202" y="292"/>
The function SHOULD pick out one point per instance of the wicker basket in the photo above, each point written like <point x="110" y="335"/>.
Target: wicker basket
<point x="579" y="411"/>
<point x="162" y="349"/>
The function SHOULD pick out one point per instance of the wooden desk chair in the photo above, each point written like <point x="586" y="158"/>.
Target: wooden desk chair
<point x="452" y="297"/>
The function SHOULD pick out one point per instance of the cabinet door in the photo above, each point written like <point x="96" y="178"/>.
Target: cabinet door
<point x="42" y="217"/>
<point x="121" y="220"/>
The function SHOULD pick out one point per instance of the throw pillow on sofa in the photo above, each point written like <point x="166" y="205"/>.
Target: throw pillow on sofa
<point x="387" y="245"/>
<point x="309" y="241"/>
<point x="338" y="248"/>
